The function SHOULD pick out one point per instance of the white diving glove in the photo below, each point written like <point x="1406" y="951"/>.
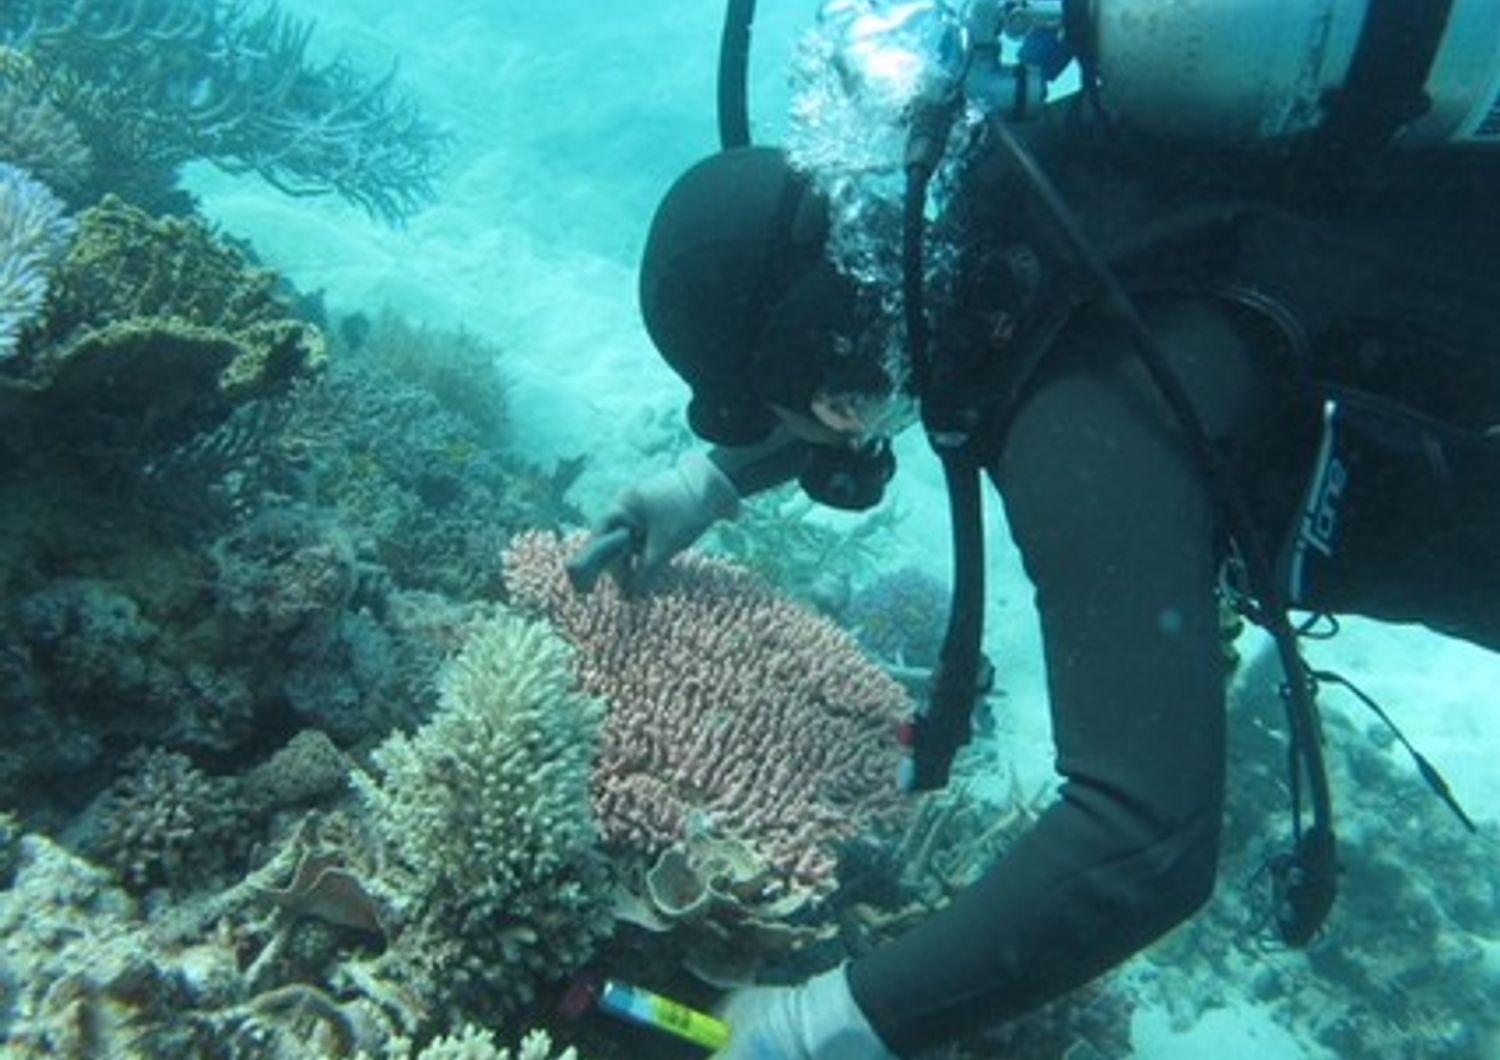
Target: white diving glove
<point x="815" y="1021"/>
<point x="670" y="510"/>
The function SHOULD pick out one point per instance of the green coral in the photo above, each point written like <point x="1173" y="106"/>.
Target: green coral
<point x="153" y="330"/>
<point x="126" y="264"/>
<point x="487" y="807"/>
<point x="775" y="539"/>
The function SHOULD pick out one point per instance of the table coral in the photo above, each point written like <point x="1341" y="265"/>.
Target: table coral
<point x="729" y="704"/>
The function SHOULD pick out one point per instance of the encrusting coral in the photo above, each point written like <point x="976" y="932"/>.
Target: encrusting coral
<point x="486" y="808"/>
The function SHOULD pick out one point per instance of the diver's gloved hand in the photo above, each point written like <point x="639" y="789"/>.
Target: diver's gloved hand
<point x="815" y="1021"/>
<point x="670" y="510"/>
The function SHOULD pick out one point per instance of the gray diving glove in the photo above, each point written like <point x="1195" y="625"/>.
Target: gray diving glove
<point x="815" y="1021"/>
<point x="670" y="510"/>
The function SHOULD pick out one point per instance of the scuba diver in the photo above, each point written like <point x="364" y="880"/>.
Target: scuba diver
<point x="1205" y="344"/>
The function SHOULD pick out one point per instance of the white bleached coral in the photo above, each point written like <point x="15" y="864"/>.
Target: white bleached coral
<point x="33" y="235"/>
<point x="473" y="1043"/>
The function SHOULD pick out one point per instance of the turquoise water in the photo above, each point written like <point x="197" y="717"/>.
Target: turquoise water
<point x="219" y="603"/>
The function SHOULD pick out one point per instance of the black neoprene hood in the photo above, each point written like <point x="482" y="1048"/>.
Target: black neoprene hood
<point x="736" y="292"/>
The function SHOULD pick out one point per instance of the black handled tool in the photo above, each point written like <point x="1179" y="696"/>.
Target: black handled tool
<point x="594" y="558"/>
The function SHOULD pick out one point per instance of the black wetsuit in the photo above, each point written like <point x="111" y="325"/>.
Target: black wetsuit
<point x="1123" y="543"/>
<point x="1121" y="539"/>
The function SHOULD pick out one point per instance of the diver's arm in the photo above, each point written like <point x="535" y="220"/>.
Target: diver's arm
<point x="753" y="469"/>
<point x="1118" y="534"/>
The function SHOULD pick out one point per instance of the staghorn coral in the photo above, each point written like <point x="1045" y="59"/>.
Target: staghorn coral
<point x="778" y="537"/>
<point x="486" y="807"/>
<point x="901" y="617"/>
<point x="730" y="705"/>
<point x="33" y="234"/>
<point x="153" y="84"/>
<point x="434" y="491"/>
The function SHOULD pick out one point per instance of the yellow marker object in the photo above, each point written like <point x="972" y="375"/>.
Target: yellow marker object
<point x="664" y="1014"/>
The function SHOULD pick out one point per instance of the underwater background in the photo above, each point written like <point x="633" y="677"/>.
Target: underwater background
<point x="318" y="349"/>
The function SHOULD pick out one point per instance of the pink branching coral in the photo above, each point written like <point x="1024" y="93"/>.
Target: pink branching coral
<point x="731" y="708"/>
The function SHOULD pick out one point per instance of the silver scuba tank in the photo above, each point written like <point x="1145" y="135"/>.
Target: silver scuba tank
<point x="1406" y="73"/>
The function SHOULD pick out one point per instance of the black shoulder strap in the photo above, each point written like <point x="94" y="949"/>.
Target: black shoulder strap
<point x="1385" y="86"/>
